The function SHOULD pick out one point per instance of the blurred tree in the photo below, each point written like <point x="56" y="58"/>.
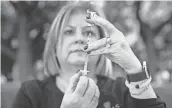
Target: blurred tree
<point x="25" y="25"/>
<point x="24" y="33"/>
<point x="8" y="56"/>
<point x="152" y="21"/>
<point x="147" y="19"/>
<point x="24" y="53"/>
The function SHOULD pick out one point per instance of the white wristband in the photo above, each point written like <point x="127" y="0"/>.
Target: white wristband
<point x="140" y="87"/>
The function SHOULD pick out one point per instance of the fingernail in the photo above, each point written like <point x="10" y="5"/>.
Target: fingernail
<point x="85" y="47"/>
<point x="77" y="71"/>
<point x="108" y="39"/>
<point x="96" y="16"/>
<point x="88" y="52"/>
<point x="87" y="17"/>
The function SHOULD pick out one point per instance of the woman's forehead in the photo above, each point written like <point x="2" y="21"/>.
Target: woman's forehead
<point x="77" y="19"/>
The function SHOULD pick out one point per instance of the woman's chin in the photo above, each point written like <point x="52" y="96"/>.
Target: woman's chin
<point x="74" y="59"/>
<point x="77" y="63"/>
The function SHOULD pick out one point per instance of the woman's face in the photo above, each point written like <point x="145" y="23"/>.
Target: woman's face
<point x="74" y="38"/>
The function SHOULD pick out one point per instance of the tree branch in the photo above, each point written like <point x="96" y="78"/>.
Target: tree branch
<point x="13" y="4"/>
<point x="29" y="7"/>
<point x="8" y="52"/>
<point x="34" y="5"/>
<point x="137" y="5"/>
<point x="157" y="29"/>
<point x="144" y="27"/>
<point x="44" y="16"/>
<point x="24" y="7"/>
<point x="18" y="6"/>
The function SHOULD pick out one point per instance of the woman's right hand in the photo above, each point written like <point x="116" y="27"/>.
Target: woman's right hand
<point x="81" y="93"/>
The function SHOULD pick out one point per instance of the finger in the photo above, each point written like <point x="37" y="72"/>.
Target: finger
<point x="104" y="50"/>
<point x="97" y="44"/>
<point x="73" y="81"/>
<point x="97" y="94"/>
<point x="93" y="104"/>
<point x="90" y="90"/>
<point x="95" y="99"/>
<point x="81" y="86"/>
<point x="97" y="20"/>
<point x="107" y="49"/>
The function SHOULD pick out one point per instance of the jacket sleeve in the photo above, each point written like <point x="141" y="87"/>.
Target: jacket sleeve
<point x="130" y="102"/>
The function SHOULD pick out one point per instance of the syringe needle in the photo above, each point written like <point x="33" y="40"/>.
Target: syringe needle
<point x="85" y="71"/>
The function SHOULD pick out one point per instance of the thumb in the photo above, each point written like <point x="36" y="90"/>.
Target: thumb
<point x="73" y="82"/>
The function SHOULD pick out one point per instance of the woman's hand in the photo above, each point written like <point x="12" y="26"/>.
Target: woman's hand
<point x="115" y="47"/>
<point x="81" y="93"/>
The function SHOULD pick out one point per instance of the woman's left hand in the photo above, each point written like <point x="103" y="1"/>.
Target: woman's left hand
<point x="118" y="49"/>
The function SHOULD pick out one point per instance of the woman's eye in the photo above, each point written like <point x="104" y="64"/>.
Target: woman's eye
<point x="68" y="32"/>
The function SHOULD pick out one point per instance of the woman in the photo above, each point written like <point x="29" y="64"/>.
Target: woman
<point x="64" y="57"/>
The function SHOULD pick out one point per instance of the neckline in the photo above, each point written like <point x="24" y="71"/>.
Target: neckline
<point x="57" y="89"/>
<point x="55" y="86"/>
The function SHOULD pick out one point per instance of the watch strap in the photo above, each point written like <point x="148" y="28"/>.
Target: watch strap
<point x="140" y="75"/>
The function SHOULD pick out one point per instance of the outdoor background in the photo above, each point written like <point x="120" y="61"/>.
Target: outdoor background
<point x="147" y="26"/>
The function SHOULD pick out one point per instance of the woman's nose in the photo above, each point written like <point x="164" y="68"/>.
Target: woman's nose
<point x="80" y="42"/>
<point x="80" y="38"/>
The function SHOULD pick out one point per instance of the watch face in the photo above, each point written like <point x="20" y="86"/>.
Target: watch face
<point x="144" y="68"/>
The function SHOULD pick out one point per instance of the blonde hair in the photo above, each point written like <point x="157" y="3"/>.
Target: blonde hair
<point x="51" y="63"/>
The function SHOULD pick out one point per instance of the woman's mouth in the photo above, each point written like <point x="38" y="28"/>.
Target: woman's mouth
<point x="76" y="56"/>
<point x="80" y="51"/>
<point x="77" y="50"/>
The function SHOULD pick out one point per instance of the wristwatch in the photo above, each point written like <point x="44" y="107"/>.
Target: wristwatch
<point x="140" y="75"/>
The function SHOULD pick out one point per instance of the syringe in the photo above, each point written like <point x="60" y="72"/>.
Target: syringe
<point x="85" y="71"/>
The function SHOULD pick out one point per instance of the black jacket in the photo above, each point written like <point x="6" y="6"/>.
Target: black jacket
<point x="113" y="94"/>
